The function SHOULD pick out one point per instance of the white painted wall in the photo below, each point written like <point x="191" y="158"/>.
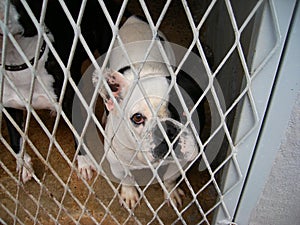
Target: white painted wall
<point x="271" y="194"/>
<point x="280" y="200"/>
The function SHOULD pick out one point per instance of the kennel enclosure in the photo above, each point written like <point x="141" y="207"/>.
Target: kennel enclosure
<point x="251" y="44"/>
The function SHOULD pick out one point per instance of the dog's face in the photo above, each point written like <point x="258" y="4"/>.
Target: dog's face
<point x="141" y="128"/>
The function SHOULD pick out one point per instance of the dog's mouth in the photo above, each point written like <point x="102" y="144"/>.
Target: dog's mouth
<point x="175" y="143"/>
<point x="161" y="148"/>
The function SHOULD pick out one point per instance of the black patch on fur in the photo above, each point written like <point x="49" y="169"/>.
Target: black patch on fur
<point x="25" y="20"/>
<point x="122" y="70"/>
<point x="14" y="135"/>
<point x="193" y="93"/>
<point x="162" y="147"/>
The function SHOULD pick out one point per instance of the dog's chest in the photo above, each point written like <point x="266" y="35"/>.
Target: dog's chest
<point x="19" y="83"/>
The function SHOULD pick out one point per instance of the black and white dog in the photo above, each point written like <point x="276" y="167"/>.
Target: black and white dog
<point x="143" y="133"/>
<point x="47" y="88"/>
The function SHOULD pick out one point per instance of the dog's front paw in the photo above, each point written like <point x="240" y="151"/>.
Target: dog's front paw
<point x="129" y="195"/>
<point x="26" y="168"/>
<point x="175" y="195"/>
<point x="85" y="167"/>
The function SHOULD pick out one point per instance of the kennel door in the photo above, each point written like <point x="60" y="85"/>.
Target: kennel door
<point x="246" y="175"/>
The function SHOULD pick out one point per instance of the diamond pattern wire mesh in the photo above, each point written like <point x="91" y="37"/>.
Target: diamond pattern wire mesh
<point x="57" y="192"/>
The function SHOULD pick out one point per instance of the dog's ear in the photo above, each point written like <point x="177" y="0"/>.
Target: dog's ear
<point x="117" y="83"/>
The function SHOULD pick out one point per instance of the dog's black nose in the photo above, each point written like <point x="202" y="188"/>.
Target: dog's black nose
<point x="161" y="145"/>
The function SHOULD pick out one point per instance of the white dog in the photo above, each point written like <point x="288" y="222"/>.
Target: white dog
<point x="142" y="134"/>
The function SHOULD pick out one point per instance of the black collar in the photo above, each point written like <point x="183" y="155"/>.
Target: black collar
<point x="24" y="65"/>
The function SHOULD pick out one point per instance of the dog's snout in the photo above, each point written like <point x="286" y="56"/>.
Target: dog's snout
<point x="161" y="144"/>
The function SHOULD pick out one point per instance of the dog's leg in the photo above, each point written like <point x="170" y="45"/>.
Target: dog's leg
<point x="129" y="195"/>
<point x="84" y="163"/>
<point x="26" y="167"/>
<point x="85" y="166"/>
<point x="14" y="135"/>
<point x="128" y="192"/>
<point x="176" y="194"/>
<point x="16" y="142"/>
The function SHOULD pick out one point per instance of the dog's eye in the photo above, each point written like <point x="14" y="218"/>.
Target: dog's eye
<point x="138" y="119"/>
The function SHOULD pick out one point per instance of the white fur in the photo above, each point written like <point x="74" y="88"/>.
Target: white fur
<point x="25" y="166"/>
<point x="129" y="195"/>
<point x="85" y="167"/>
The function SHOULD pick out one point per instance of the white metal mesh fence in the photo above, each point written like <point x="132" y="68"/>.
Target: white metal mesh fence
<point x="58" y="192"/>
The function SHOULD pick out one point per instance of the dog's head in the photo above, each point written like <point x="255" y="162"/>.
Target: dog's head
<point x="15" y="19"/>
<point x="141" y="124"/>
